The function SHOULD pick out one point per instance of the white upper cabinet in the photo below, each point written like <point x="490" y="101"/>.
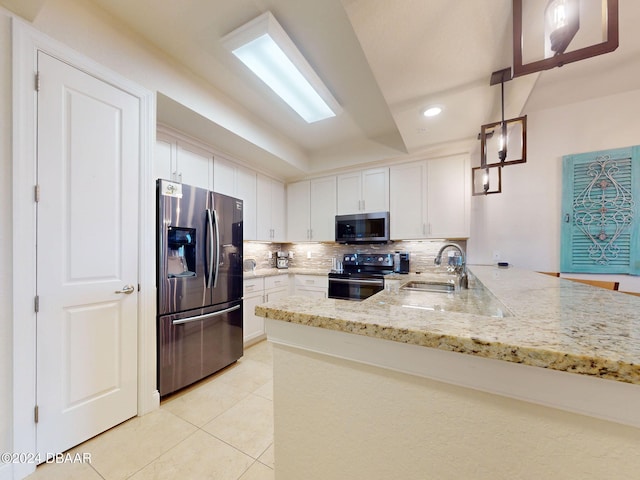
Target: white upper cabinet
<point x="408" y="201"/>
<point x="448" y="197"/>
<point x="194" y="166"/>
<point x="323" y="209"/>
<point x="311" y="210"/>
<point x="224" y="177"/>
<point x="164" y="158"/>
<point x="239" y="182"/>
<point x="298" y="211"/>
<point x="364" y="191"/>
<point x="349" y="193"/>
<point x="246" y="185"/>
<point x="270" y="209"/>
<point x="430" y="199"/>
<point x="182" y="162"/>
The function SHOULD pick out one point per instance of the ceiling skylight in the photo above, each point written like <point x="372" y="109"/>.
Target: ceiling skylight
<point x="265" y="48"/>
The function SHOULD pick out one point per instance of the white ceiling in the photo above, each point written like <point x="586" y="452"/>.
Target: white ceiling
<point x="384" y="61"/>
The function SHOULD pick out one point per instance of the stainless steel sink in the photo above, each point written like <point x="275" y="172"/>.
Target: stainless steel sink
<point x="430" y="286"/>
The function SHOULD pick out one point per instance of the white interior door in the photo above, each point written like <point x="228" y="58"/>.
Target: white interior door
<point x="87" y="237"/>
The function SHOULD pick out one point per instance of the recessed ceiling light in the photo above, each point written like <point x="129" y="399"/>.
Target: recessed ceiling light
<point x="432" y="111"/>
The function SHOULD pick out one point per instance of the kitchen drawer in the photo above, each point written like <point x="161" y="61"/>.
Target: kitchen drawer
<point x="277" y="281"/>
<point x="316" y="281"/>
<point x="253" y="285"/>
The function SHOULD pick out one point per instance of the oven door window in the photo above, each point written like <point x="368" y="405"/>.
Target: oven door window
<point x="352" y="289"/>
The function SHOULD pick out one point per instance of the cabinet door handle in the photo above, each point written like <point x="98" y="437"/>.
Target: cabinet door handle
<point x="567" y="218"/>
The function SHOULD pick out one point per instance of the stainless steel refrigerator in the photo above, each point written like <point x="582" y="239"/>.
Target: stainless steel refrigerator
<point x="199" y="268"/>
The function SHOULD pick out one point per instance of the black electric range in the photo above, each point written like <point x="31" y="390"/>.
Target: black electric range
<point x="362" y="276"/>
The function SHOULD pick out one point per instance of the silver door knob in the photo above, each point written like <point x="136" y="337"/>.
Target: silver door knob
<point x="127" y="289"/>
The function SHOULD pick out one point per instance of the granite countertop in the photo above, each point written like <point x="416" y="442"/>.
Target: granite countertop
<point x="510" y="314"/>
<point x="271" y="272"/>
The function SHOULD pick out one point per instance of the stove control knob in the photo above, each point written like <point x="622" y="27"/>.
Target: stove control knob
<point x="380" y="259"/>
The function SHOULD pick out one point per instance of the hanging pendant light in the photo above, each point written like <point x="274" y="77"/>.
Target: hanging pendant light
<point x="503" y="143"/>
<point x="545" y="33"/>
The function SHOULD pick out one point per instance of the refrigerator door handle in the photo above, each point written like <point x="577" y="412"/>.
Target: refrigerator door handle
<point x="217" y="269"/>
<point x="204" y="317"/>
<point x="210" y="227"/>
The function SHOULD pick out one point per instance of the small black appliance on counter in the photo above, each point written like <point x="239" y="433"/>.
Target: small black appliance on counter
<point x="401" y="262"/>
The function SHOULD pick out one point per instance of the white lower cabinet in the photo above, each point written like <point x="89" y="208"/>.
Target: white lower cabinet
<point x="276" y="287"/>
<point x="311" y="285"/>
<point x="255" y="292"/>
<point x="253" y="326"/>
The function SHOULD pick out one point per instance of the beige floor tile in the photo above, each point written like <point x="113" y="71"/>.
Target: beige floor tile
<point x="248" y="425"/>
<point x="202" y="404"/>
<point x="125" y="449"/>
<point x="268" y="457"/>
<point x="247" y="374"/>
<point x="235" y="405"/>
<point x="257" y="471"/>
<point x="200" y="456"/>
<point x="64" y="471"/>
<point x="262" y="352"/>
<point x="265" y="391"/>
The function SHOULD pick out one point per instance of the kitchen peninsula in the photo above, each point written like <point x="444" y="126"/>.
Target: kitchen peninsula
<point x="524" y="376"/>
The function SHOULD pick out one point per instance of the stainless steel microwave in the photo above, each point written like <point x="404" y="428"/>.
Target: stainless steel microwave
<point x="363" y="228"/>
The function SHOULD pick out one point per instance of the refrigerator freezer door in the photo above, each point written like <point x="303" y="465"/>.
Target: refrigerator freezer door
<point x="181" y="244"/>
<point x="194" y="344"/>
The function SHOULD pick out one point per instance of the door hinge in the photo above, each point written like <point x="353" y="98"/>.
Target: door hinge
<point x="36" y="415"/>
<point x="36" y="193"/>
<point x="138" y="287"/>
<point x="37" y="82"/>
<point x="36" y="303"/>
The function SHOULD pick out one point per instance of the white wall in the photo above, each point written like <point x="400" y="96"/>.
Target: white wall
<point x="6" y="292"/>
<point x="523" y="222"/>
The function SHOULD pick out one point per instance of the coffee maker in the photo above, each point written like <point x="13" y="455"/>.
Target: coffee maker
<point x="282" y="260"/>
<point x="401" y="262"/>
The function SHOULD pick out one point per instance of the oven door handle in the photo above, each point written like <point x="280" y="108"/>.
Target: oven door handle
<point x="346" y="280"/>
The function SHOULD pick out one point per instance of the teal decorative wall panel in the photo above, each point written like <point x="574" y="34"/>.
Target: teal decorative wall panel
<point x="600" y="220"/>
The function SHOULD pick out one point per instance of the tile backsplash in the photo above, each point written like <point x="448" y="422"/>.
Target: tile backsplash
<point x="320" y="255"/>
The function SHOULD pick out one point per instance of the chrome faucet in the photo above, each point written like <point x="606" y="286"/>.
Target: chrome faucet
<point x="460" y="266"/>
